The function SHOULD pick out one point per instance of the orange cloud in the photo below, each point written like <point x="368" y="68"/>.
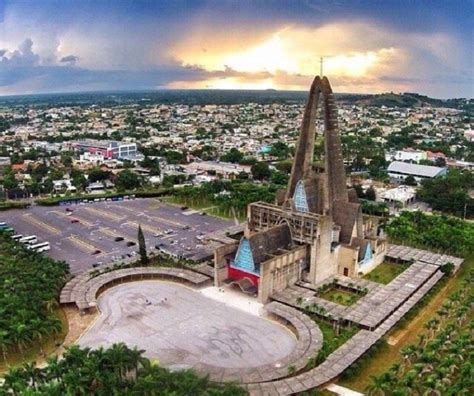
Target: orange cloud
<point x="358" y="55"/>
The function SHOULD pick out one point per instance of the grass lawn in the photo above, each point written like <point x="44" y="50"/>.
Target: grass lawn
<point x="33" y="352"/>
<point x="343" y="297"/>
<point x="406" y="332"/>
<point x="386" y="272"/>
<point x="331" y="340"/>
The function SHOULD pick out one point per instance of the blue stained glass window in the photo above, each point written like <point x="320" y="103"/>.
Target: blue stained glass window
<point x="244" y="258"/>
<point x="368" y="255"/>
<point x="301" y="203"/>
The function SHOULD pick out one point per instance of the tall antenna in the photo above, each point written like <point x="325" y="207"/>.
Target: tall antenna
<point x="321" y="66"/>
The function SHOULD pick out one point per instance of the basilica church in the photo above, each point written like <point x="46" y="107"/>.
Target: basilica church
<point x="315" y="229"/>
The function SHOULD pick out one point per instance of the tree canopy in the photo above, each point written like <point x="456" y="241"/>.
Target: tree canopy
<point x="127" y="180"/>
<point x="449" y="193"/>
<point x="233" y="155"/>
<point x="447" y="234"/>
<point x="117" y="370"/>
<point x="30" y="284"/>
<point x="260" y="171"/>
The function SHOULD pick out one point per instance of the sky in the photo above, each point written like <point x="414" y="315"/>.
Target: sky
<point x="367" y="46"/>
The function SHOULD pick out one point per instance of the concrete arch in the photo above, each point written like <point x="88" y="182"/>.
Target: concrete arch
<point x="334" y="165"/>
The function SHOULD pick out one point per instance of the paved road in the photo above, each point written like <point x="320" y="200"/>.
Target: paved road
<point x="186" y="329"/>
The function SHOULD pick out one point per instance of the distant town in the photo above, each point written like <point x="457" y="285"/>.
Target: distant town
<point x="61" y="150"/>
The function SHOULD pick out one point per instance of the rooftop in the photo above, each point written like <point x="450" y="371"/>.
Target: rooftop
<point x="415" y="169"/>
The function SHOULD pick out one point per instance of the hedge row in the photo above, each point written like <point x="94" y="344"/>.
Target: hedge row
<point x="6" y="205"/>
<point x="82" y="197"/>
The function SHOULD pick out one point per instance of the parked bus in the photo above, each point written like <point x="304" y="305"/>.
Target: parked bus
<point x="7" y="230"/>
<point x="29" y="240"/>
<point x="17" y="237"/>
<point x="39" y="247"/>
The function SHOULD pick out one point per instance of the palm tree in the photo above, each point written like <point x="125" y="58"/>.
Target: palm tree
<point x="377" y="386"/>
<point x="5" y="344"/>
<point x="21" y="337"/>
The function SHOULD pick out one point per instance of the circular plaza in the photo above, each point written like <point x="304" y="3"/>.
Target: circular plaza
<point x="167" y="313"/>
<point x="184" y="329"/>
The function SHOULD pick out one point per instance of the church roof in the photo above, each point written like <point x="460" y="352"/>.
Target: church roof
<point x="345" y="215"/>
<point x="265" y="243"/>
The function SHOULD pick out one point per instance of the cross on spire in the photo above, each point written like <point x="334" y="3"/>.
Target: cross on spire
<point x="321" y="66"/>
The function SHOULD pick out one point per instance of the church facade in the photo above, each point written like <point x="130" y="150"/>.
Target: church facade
<point x="315" y="229"/>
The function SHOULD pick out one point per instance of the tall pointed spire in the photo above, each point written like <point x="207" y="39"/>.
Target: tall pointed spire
<point x="334" y="165"/>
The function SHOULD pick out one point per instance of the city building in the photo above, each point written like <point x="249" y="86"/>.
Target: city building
<point x="108" y="149"/>
<point x="407" y="155"/>
<point x="219" y="169"/>
<point x="403" y="195"/>
<point x="399" y="171"/>
<point x="314" y="230"/>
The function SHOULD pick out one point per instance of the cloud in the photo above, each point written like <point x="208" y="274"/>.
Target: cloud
<point x="358" y="57"/>
<point x="70" y="59"/>
<point x="23" y="56"/>
<point x="112" y="45"/>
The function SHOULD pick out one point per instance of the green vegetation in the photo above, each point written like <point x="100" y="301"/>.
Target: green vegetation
<point x="6" y="205"/>
<point x="407" y="331"/>
<point x="441" y="233"/>
<point x="233" y="155"/>
<point x="51" y="201"/>
<point x="261" y="171"/>
<point x="30" y="284"/>
<point x="128" y="180"/>
<point x="450" y="193"/>
<point x="224" y="198"/>
<point x="113" y="371"/>
<point x="439" y="362"/>
<point x="386" y="272"/>
<point x="142" y="246"/>
<point x="340" y="296"/>
<point x="375" y="208"/>
<point x="333" y="337"/>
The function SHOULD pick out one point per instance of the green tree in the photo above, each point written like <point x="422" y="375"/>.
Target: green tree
<point x="234" y="156"/>
<point x="97" y="174"/>
<point x="280" y="150"/>
<point x="279" y="178"/>
<point x="410" y="181"/>
<point x="9" y="181"/>
<point x="127" y="180"/>
<point x="260" y="171"/>
<point x="370" y="194"/>
<point x="449" y="193"/>
<point x="78" y="179"/>
<point x="142" y="246"/>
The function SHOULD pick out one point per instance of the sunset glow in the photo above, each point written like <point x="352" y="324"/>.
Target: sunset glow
<point x="228" y="45"/>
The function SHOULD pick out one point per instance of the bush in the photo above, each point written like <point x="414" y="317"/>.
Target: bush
<point x="7" y="205"/>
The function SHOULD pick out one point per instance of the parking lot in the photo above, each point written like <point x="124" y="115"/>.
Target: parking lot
<point x="91" y="234"/>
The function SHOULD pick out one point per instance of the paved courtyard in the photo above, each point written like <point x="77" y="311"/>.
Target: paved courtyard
<point x="86" y="234"/>
<point x="187" y="329"/>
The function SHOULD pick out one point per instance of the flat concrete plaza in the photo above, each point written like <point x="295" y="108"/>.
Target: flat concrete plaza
<point x="182" y="328"/>
<point x="86" y="234"/>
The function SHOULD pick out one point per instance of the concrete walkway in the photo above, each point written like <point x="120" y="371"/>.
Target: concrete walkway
<point x="340" y="390"/>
